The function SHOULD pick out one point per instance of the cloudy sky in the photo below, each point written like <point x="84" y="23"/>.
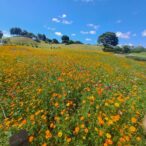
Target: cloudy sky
<point x="82" y="20"/>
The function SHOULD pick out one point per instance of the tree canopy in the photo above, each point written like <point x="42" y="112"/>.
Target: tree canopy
<point x="1" y="34"/>
<point x="65" y="39"/>
<point x="108" y="39"/>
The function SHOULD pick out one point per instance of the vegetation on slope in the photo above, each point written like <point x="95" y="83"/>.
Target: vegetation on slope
<point x="71" y="97"/>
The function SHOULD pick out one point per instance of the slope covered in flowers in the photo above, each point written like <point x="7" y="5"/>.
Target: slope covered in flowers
<point x="71" y="97"/>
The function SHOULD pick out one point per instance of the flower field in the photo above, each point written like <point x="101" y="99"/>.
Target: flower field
<point x="71" y="97"/>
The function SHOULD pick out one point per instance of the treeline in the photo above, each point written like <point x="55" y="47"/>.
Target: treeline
<point x="110" y="42"/>
<point x="16" y="31"/>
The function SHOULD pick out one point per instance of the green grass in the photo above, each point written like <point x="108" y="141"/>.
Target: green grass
<point x="138" y="56"/>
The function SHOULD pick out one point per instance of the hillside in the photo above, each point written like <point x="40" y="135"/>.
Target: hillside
<point x="71" y="95"/>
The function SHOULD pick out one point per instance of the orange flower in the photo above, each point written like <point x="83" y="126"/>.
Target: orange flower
<point x="24" y="122"/>
<point x="31" y="138"/>
<point x="68" y="139"/>
<point x="99" y="91"/>
<point x="76" y="131"/>
<point x="133" y="120"/>
<point x="100" y="120"/>
<point x="86" y="130"/>
<point x="48" y="134"/>
<point x="100" y="133"/>
<point x="44" y="144"/>
<point x="116" y="118"/>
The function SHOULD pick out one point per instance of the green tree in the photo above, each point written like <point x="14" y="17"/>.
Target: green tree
<point x="1" y="34"/>
<point x="108" y="39"/>
<point x="15" y="31"/>
<point x="55" y="41"/>
<point x="42" y="37"/>
<point x="126" y="49"/>
<point x="65" y="39"/>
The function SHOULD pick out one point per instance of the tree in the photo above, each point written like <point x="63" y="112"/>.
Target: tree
<point x="15" y="31"/>
<point x="48" y="40"/>
<point x="65" y="39"/>
<point x="1" y="34"/>
<point x="42" y="37"/>
<point x="126" y="49"/>
<point x="55" y="41"/>
<point x="108" y="39"/>
<point x="78" y="42"/>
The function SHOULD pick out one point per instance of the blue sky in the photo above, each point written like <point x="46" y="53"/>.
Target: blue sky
<point x="82" y="20"/>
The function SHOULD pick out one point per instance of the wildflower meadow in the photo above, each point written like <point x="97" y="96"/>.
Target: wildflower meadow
<point x="71" y="97"/>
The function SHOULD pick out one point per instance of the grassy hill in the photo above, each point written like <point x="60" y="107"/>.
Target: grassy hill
<point x="72" y="95"/>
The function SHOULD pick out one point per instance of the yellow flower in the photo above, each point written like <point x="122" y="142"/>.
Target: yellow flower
<point x="108" y="135"/>
<point x="138" y="138"/>
<point x="117" y="105"/>
<point x="132" y="129"/>
<point x="60" y="134"/>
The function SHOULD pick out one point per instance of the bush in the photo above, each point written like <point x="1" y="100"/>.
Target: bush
<point x="126" y="49"/>
<point x="138" y="49"/>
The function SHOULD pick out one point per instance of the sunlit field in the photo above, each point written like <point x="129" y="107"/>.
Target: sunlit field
<point x="71" y="97"/>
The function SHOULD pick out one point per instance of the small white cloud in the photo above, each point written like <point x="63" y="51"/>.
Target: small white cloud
<point x="88" y="39"/>
<point x="123" y="35"/>
<point x="55" y="20"/>
<point x="93" y="26"/>
<point x="62" y="19"/>
<point x="92" y="32"/>
<point x="119" y="21"/>
<point x="63" y="16"/>
<point x="58" y="33"/>
<point x="66" y="22"/>
<point x="144" y="33"/>
<point x="73" y="34"/>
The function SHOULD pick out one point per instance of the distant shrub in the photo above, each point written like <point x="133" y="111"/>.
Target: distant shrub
<point x="126" y="49"/>
<point x="138" y="49"/>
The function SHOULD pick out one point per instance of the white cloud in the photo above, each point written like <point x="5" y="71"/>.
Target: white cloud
<point x="62" y="19"/>
<point x="144" y="33"/>
<point x="66" y="22"/>
<point x="58" y="33"/>
<point x="123" y="35"/>
<point x="119" y="21"/>
<point x="6" y="34"/>
<point x="88" y="39"/>
<point x="63" y="16"/>
<point x="93" y="26"/>
<point x="73" y="34"/>
<point x="55" y="20"/>
<point x="92" y="32"/>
